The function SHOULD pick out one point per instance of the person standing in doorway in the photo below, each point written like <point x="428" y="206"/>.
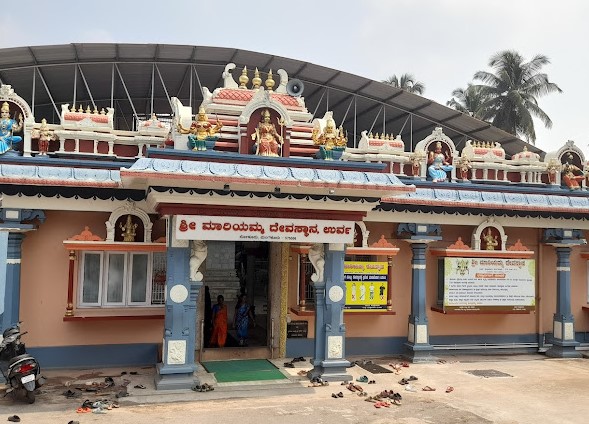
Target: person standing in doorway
<point x="241" y="319"/>
<point x="219" y="335"/>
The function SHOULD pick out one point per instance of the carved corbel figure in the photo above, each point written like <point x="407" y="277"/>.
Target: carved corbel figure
<point x="317" y="258"/>
<point x="198" y="254"/>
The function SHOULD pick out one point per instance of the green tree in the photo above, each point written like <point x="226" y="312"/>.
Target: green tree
<point x="469" y="101"/>
<point x="406" y="82"/>
<point x="512" y="91"/>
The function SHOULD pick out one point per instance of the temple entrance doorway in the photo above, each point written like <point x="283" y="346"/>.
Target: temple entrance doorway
<point x="235" y="269"/>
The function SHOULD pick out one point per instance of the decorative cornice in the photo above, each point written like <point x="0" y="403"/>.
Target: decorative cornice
<point x="382" y="242"/>
<point x="459" y="245"/>
<point x="86" y="235"/>
<point x="518" y="246"/>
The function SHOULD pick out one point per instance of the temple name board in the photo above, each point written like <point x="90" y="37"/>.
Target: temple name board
<point x="196" y="227"/>
<point x="489" y="284"/>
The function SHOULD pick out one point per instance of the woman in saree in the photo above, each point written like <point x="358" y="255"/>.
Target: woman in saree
<point x="219" y="335"/>
<point x="241" y="319"/>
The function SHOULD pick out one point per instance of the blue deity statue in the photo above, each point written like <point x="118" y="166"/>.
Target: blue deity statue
<point x="8" y="126"/>
<point x="438" y="164"/>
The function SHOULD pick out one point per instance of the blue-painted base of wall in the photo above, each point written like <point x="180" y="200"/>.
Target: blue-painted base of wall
<point x="96" y="355"/>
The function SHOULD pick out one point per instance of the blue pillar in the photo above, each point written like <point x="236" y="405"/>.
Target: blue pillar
<point x="563" y="334"/>
<point x="563" y="339"/>
<point x="419" y="349"/>
<point x="329" y="362"/>
<point x="176" y="371"/>
<point x="15" y="222"/>
<point x="418" y="235"/>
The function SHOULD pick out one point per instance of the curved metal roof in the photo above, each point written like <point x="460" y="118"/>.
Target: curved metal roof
<point x="139" y="78"/>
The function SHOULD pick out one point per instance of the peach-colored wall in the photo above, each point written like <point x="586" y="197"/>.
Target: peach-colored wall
<point x="539" y="321"/>
<point x="44" y="279"/>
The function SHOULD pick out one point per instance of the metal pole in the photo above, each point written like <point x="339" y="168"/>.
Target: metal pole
<point x="411" y="116"/>
<point x="127" y="92"/>
<point x="75" y="84"/>
<point x="112" y="86"/>
<point x="375" y="118"/>
<point x="33" y="96"/>
<point x="355" y="122"/>
<point x="152" y="84"/>
<point x="347" y="110"/>
<point x="318" y="103"/>
<point x="48" y="92"/>
<point x="86" y="85"/>
<point x="163" y="85"/>
<point x="190" y="91"/>
<point x="384" y="119"/>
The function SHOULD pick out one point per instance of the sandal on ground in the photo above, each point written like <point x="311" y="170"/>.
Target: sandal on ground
<point x="289" y="365"/>
<point x="412" y="378"/>
<point x="302" y="372"/>
<point x="428" y="389"/>
<point x="333" y="395"/>
<point x="139" y="386"/>
<point x="340" y="395"/>
<point x="403" y="381"/>
<point x="14" y="418"/>
<point x="73" y="422"/>
<point x="363" y="379"/>
<point x="449" y="389"/>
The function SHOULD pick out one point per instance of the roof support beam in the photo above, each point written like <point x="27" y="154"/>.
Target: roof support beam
<point x="48" y="92"/>
<point x="378" y="103"/>
<point x="127" y="92"/>
<point x="87" y="87"/>
<point x="163" y="85"/>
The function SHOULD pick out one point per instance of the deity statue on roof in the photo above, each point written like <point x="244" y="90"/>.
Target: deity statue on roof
<point x="268" y="141"/>
<point x="572" y="175"/>
<point x="438" y="164"/>
<point x="201" y="131"/>
<point x="8" y="127"/>
<point x="45" y="135"/>
<point x="330" y="139"/>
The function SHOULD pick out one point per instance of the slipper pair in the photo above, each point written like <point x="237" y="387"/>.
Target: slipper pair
<point x="14" y="419"/>
<point x="288" y="365"/>
<point x="337" y="395"/>
<point x="299" y="359"/>
<point x="382" y="404"/>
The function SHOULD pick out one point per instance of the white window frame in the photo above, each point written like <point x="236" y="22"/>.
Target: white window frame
<point x="127" y="280"/>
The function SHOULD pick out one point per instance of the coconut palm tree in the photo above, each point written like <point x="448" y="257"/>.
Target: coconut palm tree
<point x="512" y="92"/>
<point x="469" y="101"/>
<point x="406" y="82"/>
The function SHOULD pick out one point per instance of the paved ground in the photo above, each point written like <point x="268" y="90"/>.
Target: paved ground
<point x="535" y="390"/>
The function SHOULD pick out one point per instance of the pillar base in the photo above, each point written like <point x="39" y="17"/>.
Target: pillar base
<point x="167" y="380"/>
<point x="330" y="370"/>
<point x="419" y="353"/>
<point x="563" y="350"/>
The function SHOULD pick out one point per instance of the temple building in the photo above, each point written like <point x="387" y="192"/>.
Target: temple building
<point x="355" y="218"/>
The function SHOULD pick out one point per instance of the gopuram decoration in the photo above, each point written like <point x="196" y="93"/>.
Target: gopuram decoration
<point x="44" y="134"/>
<point x="332" y="141"/>
<point x="268" y="142"/>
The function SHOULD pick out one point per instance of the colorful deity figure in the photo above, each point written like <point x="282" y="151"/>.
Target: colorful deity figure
<point x="268" y="141"/>
<point x="572" y="174"/>
<point x="201" y="131"/>
<point x="490" y="240"/>
<point x="128" y="230"/>
<point x="330" y="139"/>
<point x="464" y="166"/>
<point x="8" y="127"/>
<point x="439" y="164"/>
<point x="45" y="135"/>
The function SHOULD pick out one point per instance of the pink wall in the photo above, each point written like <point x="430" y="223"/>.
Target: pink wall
<point x="539" y="321"/>
<point x="44" y="279"/>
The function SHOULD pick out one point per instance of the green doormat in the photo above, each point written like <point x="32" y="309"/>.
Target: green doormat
<point x="243" y="370"/>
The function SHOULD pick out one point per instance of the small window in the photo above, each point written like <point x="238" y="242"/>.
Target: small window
<point x="118" y="279"/>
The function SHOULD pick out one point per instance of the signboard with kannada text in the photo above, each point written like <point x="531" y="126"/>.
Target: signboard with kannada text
<point x="366" y="286"/>
<point x="229" y="228"/>
<point x="489" y="284"/>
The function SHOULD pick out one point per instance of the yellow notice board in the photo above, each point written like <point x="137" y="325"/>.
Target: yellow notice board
<point x="366" y="286"/>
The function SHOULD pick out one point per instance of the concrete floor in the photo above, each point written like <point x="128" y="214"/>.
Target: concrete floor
<point x="537" y="390"/>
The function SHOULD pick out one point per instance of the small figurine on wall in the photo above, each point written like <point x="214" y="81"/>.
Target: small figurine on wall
<point x="128" y="230"/>
<point x="490" y="240"/>
<point x="45" y="135"/>
<point x="464" y="166"/>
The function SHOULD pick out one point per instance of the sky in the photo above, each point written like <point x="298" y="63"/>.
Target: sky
<point x="441" y="42"/>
